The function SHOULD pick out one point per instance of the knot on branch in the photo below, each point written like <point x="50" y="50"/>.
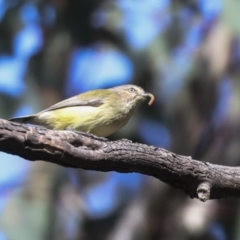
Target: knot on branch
<point x="203" y="191"/>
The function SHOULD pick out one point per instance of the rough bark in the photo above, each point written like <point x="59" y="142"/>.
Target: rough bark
<point x="198" y="179"/>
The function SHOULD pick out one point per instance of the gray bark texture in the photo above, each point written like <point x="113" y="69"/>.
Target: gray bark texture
<point x="198" y="179"/>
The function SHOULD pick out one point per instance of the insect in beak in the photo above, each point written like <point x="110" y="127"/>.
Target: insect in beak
<point x="151" y="96"/>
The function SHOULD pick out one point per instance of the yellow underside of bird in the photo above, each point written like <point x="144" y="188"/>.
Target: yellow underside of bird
<point x="68" y="118"/>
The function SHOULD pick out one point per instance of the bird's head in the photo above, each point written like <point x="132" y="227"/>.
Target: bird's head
<point x="133" y="95"/>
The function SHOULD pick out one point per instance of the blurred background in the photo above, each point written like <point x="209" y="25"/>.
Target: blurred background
<point x="185" y="52"/>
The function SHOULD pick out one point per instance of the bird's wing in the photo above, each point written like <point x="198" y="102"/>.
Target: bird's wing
<point x="85" y="99"/>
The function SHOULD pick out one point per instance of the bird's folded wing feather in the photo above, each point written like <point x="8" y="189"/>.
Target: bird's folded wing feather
<point x="77" y="101"/>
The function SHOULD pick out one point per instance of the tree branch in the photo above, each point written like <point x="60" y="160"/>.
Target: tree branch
<point x="200" y="180"/>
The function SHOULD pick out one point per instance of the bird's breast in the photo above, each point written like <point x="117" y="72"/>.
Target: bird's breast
<point x="101" y="121"/>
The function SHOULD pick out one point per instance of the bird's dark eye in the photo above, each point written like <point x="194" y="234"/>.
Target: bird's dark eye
<point x="131" y="90"/>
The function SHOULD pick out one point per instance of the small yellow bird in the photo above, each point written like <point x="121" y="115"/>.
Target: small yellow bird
<point x="101" y="112"/>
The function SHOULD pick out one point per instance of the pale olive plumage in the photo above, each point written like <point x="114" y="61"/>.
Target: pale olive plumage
<point x="101" y="112"/>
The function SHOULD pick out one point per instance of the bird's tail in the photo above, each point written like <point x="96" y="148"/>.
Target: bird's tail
<point x="25" y="119"/>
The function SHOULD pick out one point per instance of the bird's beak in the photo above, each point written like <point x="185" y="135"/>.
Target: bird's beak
<point x="149" y="95"/>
